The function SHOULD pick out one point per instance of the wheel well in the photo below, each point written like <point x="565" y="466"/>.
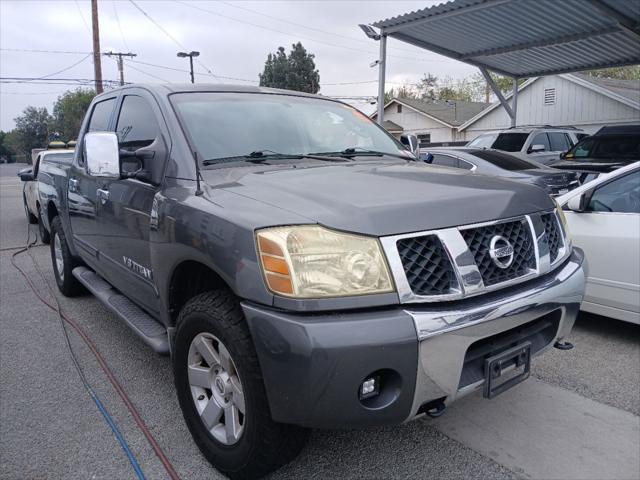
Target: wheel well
<point x="189" y="279"/>
<point x="52" y="212"/>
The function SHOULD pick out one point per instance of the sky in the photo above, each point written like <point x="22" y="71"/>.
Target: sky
<point x="233" y="38"/>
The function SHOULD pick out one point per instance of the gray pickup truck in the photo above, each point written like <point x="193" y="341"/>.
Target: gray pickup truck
<point x="301" y="266"/>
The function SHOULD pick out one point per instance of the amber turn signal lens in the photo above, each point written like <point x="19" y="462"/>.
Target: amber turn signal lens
<point x="274" y="265"/>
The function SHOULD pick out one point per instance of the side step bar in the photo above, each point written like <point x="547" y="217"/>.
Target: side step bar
<point x="148" y="329"/>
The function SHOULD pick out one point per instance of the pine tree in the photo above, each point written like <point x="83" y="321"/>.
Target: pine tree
<point x="295" y="72"/>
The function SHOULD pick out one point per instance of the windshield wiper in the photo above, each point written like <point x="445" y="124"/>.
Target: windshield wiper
<point x="257" y="156"/>
<point x="260" y="156"/>
<point x="359" y="151"/>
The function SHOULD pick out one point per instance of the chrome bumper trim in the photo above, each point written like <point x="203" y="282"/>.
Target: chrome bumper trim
<point x="445" y="334"/>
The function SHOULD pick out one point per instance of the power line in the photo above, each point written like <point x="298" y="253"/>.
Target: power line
<point x="370" y="52"/>
<point x="115" y="12"/>
<point x="65" y="69"/>
<point x="168" y="34"/>
<point x="30" y="50"/>
<point x="148" y="74"/>
<point x="119" y="56"/>
<point x="353" y="39"/>
<point x="84" y="20"/>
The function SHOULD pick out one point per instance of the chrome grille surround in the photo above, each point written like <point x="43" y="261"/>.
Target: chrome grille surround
<point x="468" y="280"/>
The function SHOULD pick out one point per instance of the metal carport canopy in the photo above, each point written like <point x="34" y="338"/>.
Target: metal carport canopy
<point x="524" y="38"/>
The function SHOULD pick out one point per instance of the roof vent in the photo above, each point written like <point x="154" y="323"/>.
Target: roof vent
<point x="549" y="96"/>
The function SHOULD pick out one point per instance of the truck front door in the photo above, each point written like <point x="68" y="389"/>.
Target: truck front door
<point x="125" y="205"/>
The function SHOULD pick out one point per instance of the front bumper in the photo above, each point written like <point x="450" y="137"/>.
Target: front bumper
<point x="313" y="364"/>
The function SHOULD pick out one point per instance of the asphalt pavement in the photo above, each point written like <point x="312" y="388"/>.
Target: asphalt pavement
<point x="577" y="418"/>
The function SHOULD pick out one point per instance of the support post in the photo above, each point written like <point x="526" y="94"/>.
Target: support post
<point x="498" y="93"/>
<point x="381" y="76"/>
<point x="514" y="103"/>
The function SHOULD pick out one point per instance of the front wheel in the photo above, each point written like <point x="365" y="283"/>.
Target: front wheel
<point x="221" y="390"/>
<point x="63" y="261"/>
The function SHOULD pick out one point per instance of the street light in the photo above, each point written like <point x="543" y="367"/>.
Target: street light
<point x="190" y="55"/>
<point x="381" y="62"/>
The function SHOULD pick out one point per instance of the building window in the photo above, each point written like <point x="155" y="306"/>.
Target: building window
<point x="399" y="108"/>
<point x="549" y="96"/>
<point x="424" y="139"/>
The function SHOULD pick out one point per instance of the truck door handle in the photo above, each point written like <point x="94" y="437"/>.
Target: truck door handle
<point x="103" y="195"/>
<point x="73" y="185"/>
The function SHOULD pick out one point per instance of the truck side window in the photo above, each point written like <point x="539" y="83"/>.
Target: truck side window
<point x="541" y="139"/>
<point x="558" y="142"/>
<point x="137" y="126"/>
<point x="100" y="116"/>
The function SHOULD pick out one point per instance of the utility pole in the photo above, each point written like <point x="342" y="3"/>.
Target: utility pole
<point x="97" y="65"/>
<point x="190" y="55"/>
<point x="120" y="63"/>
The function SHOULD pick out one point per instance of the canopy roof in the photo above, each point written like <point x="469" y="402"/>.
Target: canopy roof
<point x="526" y="38"/>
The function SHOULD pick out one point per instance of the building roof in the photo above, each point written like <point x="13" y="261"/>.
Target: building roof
<point x="392" y="127"/>
<point x="525" y="38"/>
<point x="451" y="113"/>
<point x="623" y="91"/>
<point x="629" y="89"/>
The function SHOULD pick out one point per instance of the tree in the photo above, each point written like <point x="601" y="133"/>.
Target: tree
<point x="69" y="111"/>
<point x="32" y="129"/>
<point x="295" y="72"/>
<point x="6" y="150"/>
<point x="619" y="73"/>
<point x="404" y="91"/>
<point x="428" y="87"/>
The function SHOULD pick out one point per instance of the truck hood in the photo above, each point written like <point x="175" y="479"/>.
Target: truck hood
<point x="380" y="197"/>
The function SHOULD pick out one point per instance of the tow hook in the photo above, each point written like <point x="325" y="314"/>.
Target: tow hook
<point x="563" y="345"/>
<point x="435" y="408"/>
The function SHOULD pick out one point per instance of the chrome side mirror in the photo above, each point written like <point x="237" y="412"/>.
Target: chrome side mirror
<point x="576" y="203"/>
<point x="101" y="154"/>
<point x="411" y="142"/>
<point x="538" y="147"/>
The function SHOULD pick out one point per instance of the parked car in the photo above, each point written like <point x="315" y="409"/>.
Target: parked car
<point x="543" y="144"/>
<point x="301" y="267"/>
<point x="604" y="221"/>
<point x="610" y="148"/>
<point x="498" y="163"/>
<point x="30" y="194"/>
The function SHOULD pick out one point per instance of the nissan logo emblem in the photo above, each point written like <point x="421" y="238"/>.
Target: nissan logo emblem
<point x="501" y="252"/>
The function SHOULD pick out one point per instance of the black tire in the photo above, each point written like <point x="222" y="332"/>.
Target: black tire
<point x="31" y="218"/>
<point x="45" y="237"/>
<point x="264" y="445"/>
<point x="67" y="283"/>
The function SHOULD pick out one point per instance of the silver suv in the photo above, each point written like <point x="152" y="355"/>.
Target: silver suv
<point x="543" y="144"/>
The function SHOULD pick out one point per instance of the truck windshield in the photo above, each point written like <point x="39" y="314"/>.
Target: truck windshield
<point x="223" y="125"/>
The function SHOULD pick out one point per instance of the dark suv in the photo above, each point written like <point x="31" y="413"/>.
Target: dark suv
<point x="610" y="148"/>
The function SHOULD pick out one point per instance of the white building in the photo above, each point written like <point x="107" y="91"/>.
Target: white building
<point x="431" y="121"/>
<point x="575" y="100"/>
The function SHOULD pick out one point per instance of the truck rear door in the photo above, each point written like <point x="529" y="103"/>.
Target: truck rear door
<point x="82" y="188"/>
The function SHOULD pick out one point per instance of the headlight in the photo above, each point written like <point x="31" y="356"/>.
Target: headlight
<point x="312" y="262"/>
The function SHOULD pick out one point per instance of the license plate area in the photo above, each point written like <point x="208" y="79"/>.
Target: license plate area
<point x="506" y="369"/>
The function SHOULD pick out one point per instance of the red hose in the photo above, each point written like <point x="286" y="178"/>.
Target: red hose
<point x="105" y="368"/>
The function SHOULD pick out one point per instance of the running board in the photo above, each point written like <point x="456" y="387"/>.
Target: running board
<point x="148" y="329"/>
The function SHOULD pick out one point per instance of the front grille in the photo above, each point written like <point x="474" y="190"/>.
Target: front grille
<point x="554" y="238"/>
<point x="517" y="234"/>
<point x="426" y="265"/>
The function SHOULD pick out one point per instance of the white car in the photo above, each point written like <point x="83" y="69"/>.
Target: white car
<point x="604" y="220"/>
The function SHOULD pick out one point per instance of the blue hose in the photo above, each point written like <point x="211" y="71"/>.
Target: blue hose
<point x="118" y="435"/>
